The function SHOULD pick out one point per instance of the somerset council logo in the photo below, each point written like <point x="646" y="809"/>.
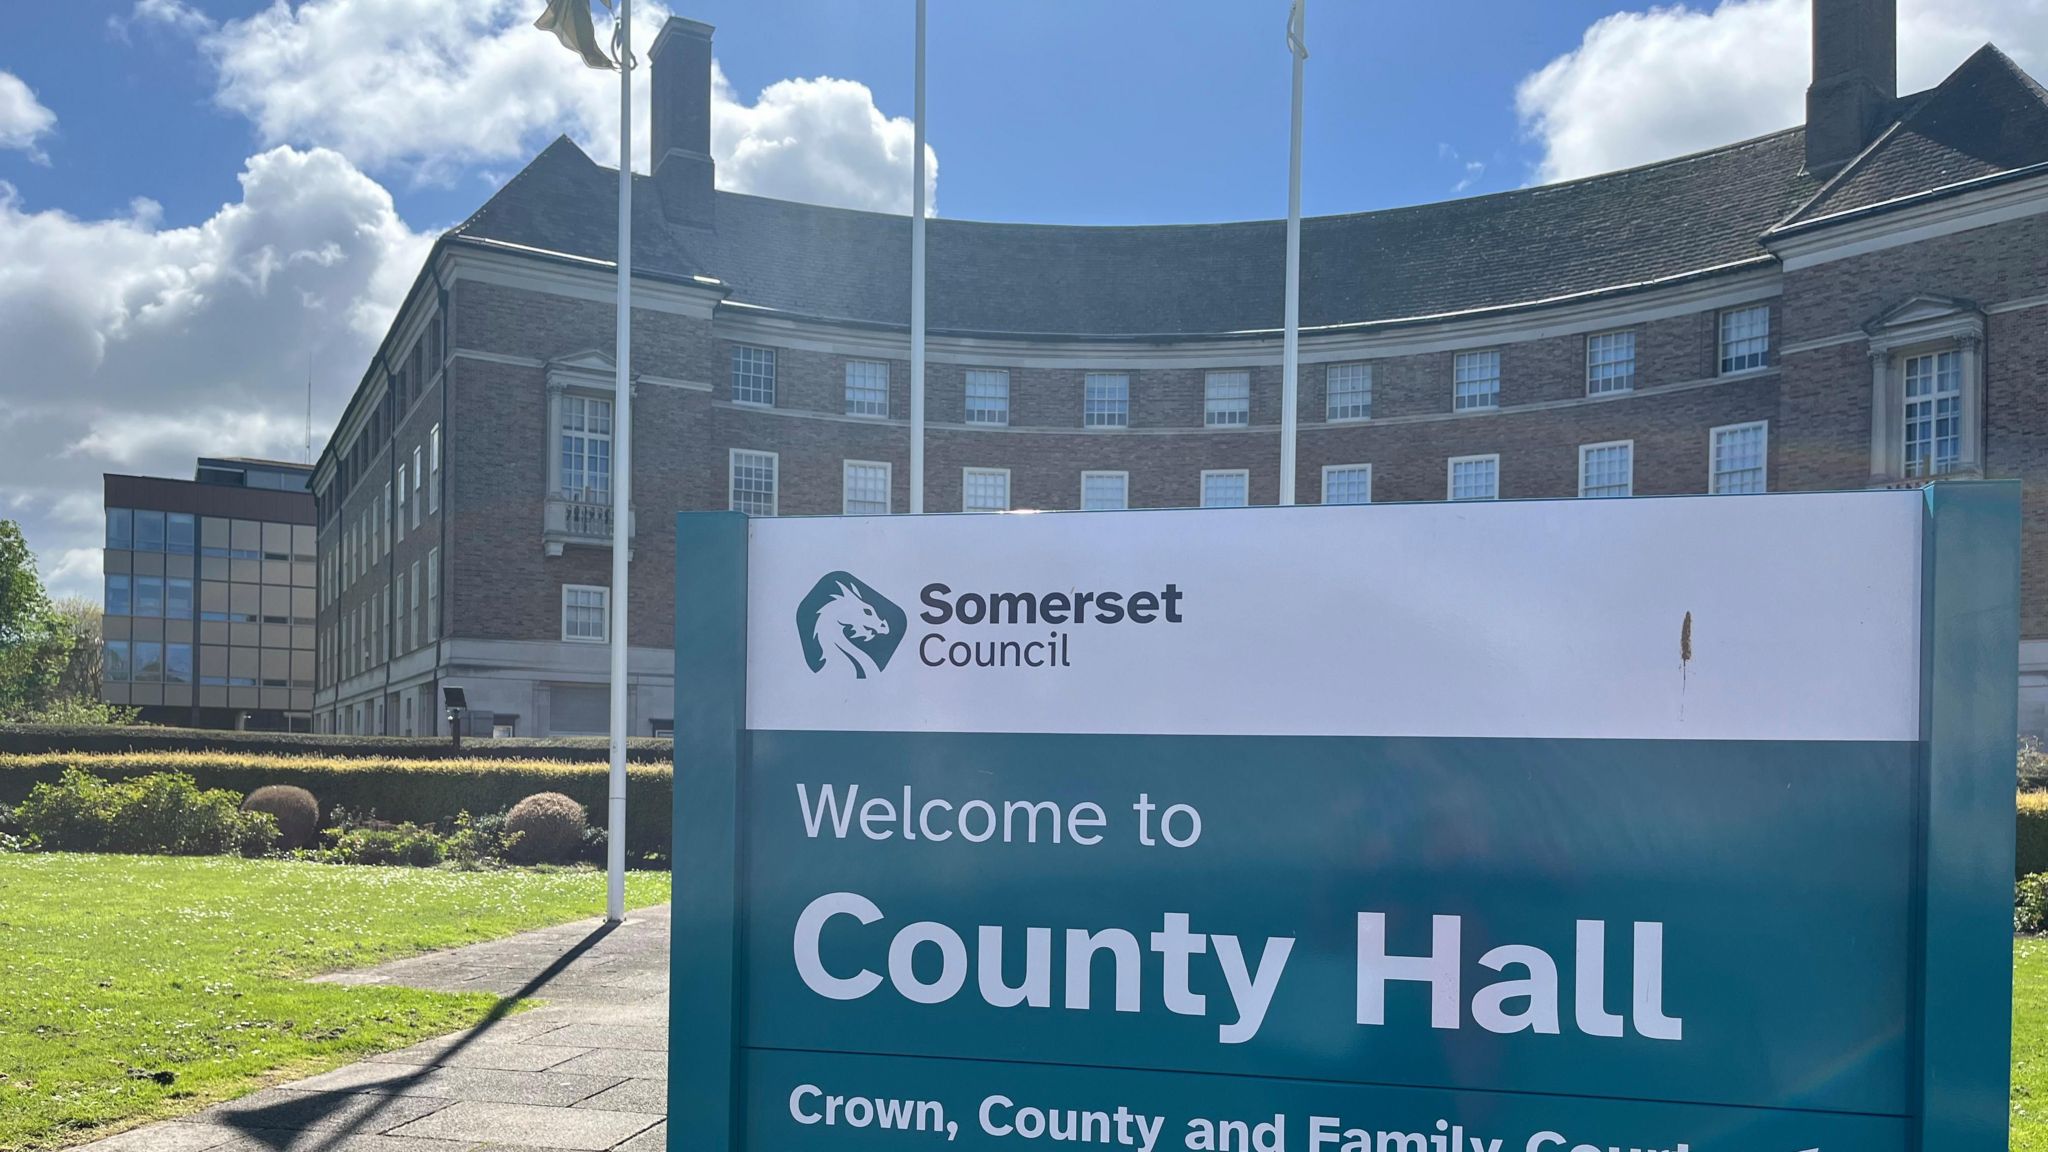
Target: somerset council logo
<point x="848" y="625"/>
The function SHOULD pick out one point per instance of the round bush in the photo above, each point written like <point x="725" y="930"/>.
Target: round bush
<point x="547" y="828"/>
<point x="296" y="812"/>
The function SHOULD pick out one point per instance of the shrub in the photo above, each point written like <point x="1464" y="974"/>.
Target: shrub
<point x="47" y="739"/>
<point x="296" y="812"/>
<point x="2030" y="841"/>
<point x="2033" y="764"/>
<point x="549" y="827"/>
<point x="408" y="844"/>
<point x="479" y="841"/>
<point x="2030" y="903"/>
<point x="163" y="813"/>
<point x="422" y="791"/>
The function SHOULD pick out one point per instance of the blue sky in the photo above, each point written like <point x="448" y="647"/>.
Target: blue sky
<point x="206" y="204"/>
<point x="1052" y="110"/>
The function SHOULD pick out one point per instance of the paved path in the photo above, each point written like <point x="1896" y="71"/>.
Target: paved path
<point x="586" y="1072"/>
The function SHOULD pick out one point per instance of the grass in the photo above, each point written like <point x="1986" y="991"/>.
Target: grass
<point x="2030" y="1044"/>
<point x="139" y="987"/>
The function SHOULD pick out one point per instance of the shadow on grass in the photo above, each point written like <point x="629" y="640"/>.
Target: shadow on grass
<point x="317" y="1121"/>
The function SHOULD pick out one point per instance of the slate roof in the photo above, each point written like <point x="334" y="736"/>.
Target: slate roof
<point x="1988" y="117"/>
<point x="1673" y="219"/>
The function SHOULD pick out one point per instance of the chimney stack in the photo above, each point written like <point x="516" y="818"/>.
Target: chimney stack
<point x="1855" y="79"/>
<point x="681" y="128"/>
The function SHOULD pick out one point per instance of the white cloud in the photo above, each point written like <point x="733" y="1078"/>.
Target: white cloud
<point x="1643" y="86"/>
<point x="23" y="119"/>
<point x="431" y="88"/>
<point x="133" y="347"/>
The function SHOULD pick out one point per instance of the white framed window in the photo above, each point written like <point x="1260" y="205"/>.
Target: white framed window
<point x="1106" y="400"/>
<point x="1472" y="478"/>
<point x="1226" y="487"/>
<point x="984" y="489"/>
<point x="415" y="602"/>
<point x="1745" y="338"/>
<point x="1105" y="491"/>
<point x="864" y="488"/>
<point x="988" y="396"/>
<point x="752" y="482"/>
<point x="1934" y="413"/>
<point x="753" y="375"/>
<point x="398" y="525"/>
<point x="434" y="460"/>
<point x="1347" y="392"/>
<point x="433" y="593"/>
<point x="586" y="449"/>
<point x="867" y="388"/>
<point x="1347" y="483"/>
<point x="1736" y="457"/>
<point x="1475" y="381"/>
<point x="586" y="613"/>
<point x="1227" y="399"/>
<point x="1610" y="363"/>
<point x="398" y="615"/>
<point x="419" y="477"/>
<point x="1607" y="469"/>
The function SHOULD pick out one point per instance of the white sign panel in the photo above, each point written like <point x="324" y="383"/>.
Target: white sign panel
<point x="1784" y="617"/>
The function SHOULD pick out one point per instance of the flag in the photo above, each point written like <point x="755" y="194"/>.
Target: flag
<point x="569" y="20"/>
<point x="1295" y="42"/>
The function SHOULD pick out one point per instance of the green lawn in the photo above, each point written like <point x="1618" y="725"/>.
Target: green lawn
<point x="2030" y="1044"/>
<point x="124" y="971"/>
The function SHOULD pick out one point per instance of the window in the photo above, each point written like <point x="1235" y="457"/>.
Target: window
<point x="418" y="479"/>
<point x="383" y="524"/>
<point x="1607" y="469"/>
<point x="180" y="533"/>
<point x="114" y="660"/>
<point x="984" y="489"/>
<point x="149" y="531"/>
<point x="433" y="593"/>
<point x="178" y="598"/>
<point x="752" y="482"/>
<point x="1610" y="363"/>
<point x="988" y="396"/>
<point x="118" y="603"/>
<point x="1474" y="478"/>
<point x="867" y="388"/>
<point x="1934" y="413"/>
<point x="1475" y="381"/>
<point x="148" y="661"/>
<point x="586" y="449"/>
<point x="753" y="375"/>
<point x="1105" y="491"/>
<point x="1745" y="338"/>
<point x="415" y="604"/>
<point x="434" y="457"/>
<point x="1738" y="457"/>
<point x="1106" y="400"/>
<point x="177" y="663"/>
<point x="1347" y="484"/>
<point x="120" y="528"/>
<point x="398" y="525"/>
<point x="149" y="595"/>
<point x="1226" y="488"/>
<point x="865" y="488"/>
<point x="1348" y="392"/>
<point x="585" y="613"/>
<point x="1227" y="402"/>
<point x="398" y="614"/>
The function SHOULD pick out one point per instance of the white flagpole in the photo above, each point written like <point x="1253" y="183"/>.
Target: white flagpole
<point x="917" y="284"/>
<point x="622" y="482"/>
<point x="1290" y="345"/>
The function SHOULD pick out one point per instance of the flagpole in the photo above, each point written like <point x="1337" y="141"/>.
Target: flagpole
<point x="622" y="483"/>
<point x="1290" y="341"/>
<point x="917" y="283"/>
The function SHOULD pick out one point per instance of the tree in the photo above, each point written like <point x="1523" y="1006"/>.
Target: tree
<point x="30" y="643"/>
<point x="78" y="629"/>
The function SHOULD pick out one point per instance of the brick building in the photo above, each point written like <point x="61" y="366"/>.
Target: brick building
<point x="1859" y="301"/>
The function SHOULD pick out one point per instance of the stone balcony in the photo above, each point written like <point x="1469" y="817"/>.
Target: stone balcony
<point x="579" y="519"/>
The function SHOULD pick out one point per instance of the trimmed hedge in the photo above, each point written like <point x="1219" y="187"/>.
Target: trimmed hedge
<point x="2030" y="845"/>
<point x="39" y="739"/>
<point x="421" y="791"/>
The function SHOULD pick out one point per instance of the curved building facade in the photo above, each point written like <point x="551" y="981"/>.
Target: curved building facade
<point x="1859" y="301"/>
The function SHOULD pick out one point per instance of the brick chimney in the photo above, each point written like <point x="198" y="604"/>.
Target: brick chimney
<point x="1855" y="79"/>
<point x="681" y="128"/>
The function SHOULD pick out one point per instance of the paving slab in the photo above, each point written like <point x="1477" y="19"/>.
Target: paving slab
<point x="642" y="1036"/>
<point x="631" y="1096"/>
<point x="504" y="1055"/>
<point x="293" y="1107"/>
<point x="455" y="1083"/>
<point x="635" y="1062"/>
<point x="582" y="1129"/>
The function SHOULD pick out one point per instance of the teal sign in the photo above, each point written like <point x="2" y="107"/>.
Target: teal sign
<point x="1544" y="827"/>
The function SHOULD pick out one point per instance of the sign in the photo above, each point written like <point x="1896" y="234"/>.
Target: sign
<point x="1564" y="826"/>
